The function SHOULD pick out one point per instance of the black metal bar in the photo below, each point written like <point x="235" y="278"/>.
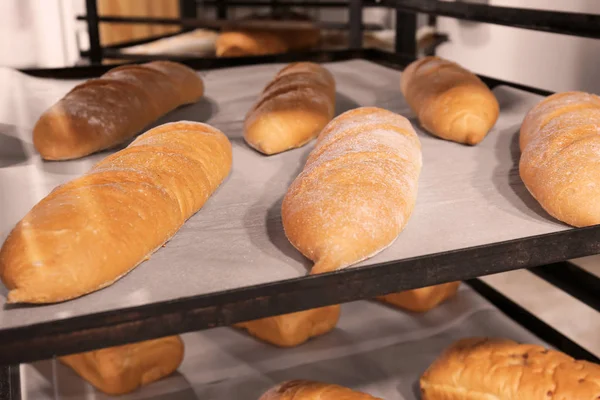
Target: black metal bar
<point x="222" y="7"/>
<point x="214" y="24"/>
<point x="569" y="278"/>
<point x="188" y="9"/>
<point x="406" y="33"/>
<point x="275" y="4"/>
<point x="355" y="21"/>
<point x="576" y="24"/>
<point x="93" y="31"/>
<point x="204" y="63"/>
<point x="83" y="333"/>
<point x="391" y="60"/>
<point x="532" y="323"/>
<point x="280" y="4"/>
<point x="10" y="382"/>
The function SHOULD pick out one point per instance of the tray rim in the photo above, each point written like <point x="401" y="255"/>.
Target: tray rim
<point x="130" y="324"/>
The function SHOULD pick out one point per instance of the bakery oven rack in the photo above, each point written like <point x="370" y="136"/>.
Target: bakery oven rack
<point x="545" y="255"/>
<point x="568" y="23"/>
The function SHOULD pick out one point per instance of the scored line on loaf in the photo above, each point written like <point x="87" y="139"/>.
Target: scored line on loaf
<point x="292" y="109"/>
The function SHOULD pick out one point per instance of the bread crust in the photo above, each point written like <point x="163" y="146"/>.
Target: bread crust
<point x="89" y="232"/>
<point x="102" y="113"/>
<point x="422" y="299"/>
<point x="292" y="109"/>
<point x="310" y="390"/>
<point x="559" y="156"/>
<point x="249" y="43"/>
<point x="357" y="190"/>
<point x="257" y="42"/>
<point x="123" y="369"/>
<point x="290" y="330"/>
<point x="450" y="102"/>
<point x="501" y="369"/>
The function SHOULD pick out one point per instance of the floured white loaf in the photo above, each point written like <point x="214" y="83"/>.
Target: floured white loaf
<point x="89" y="232"/>
<point x="357" y="190"/>
<point x="102" y="113"/>
<point x="310" y="390"/>
<point x="450" y="102"/>
<point x="500" y="369"/>
<point x="560" y="156"/>
<point x="123" y="369"/>
<point x="292" y="109"/>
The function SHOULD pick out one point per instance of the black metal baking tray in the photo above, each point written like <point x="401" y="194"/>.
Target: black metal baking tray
<point x="130" y="324"/>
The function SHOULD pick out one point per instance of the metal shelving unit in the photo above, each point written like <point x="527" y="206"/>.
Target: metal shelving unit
<point x="545" y="255"/>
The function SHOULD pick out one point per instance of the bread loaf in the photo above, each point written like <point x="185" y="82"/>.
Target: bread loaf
<point x="249" y="43"/>
<point x="102" y="113"/>
<point x="357" y="190"/>
<point x="89" y="232"/>
<point x="258" y="42"/>
<point x="450" y="102"/>
<point x="292" y="109"/>
<point x="560" y="154"/>
<point x="485" y="369"/>
<point x="309" y="390"/>
<point x="122" y="369"/>
<point x="352" y="199"/>
<point x="289" y="330"/>
<point x="422" y="299"/>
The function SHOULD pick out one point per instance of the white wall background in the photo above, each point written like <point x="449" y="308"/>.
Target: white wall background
<point x="38" y="32"/>
<point x="539" y="59"/>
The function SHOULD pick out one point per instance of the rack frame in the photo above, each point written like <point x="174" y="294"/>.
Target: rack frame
<point x="536" y="253"/>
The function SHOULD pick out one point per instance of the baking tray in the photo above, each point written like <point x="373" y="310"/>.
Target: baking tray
<point x="232" y="262"/>
<point x="374" y="348"/>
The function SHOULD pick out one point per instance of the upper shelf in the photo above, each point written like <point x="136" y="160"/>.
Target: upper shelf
<point x="568" y="23"/>
<point x="232" y="262"/>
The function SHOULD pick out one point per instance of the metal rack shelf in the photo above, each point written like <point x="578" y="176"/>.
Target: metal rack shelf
<point x="44" y="340"/>
<point x="568" y="23"/>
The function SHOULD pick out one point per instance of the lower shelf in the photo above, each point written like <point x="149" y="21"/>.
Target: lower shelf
<point x="375" y="348"/>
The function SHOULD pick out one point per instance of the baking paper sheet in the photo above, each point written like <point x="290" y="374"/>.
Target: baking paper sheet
<point x="374" y="348"/>
<point x="467" y="195"/>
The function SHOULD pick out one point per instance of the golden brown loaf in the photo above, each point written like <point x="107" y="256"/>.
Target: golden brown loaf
<point x="292" y="109"/>
<point x="92" y="230"/>
<point x="499" y="369"/>
<point x="357" y="190"/>
<point x="258" y="42"/>
<point x="422" y="299"/>
<point x="450" y="102"/>
<point x="122" y="369"/>
<point x="102" y="113"/>
<point x="249" y="43"/>
<point x="309" y="390"/>
<point x="293" y="329"/>
<point x="560" y="154"/>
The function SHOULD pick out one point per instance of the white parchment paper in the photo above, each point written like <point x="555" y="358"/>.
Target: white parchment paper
<point x="467" y="195"/>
